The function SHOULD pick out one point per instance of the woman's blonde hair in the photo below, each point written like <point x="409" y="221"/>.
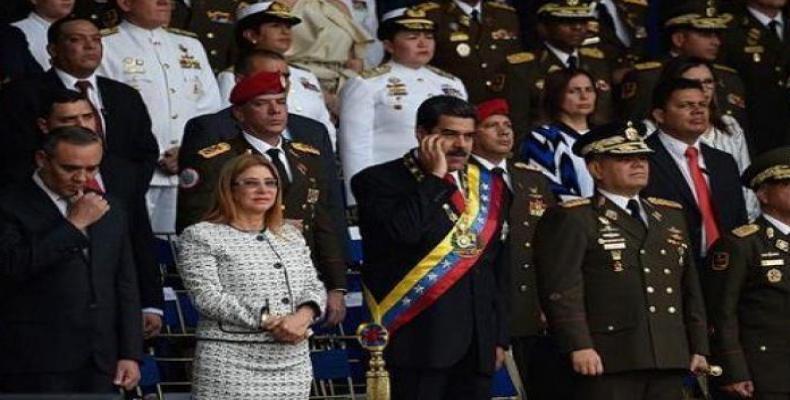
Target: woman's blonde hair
<point x="224" y="210"/>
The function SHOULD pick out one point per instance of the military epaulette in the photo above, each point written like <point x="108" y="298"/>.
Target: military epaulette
<point x="500" y="5"/>
<point x="636" y="2"/>
<point x="664" y="202"/>
<point x="427" y="6"/>
<point x="305" y="148"/>
<point x="182" y="32"/>
<point x="374" y="72"/>
<point x="214" y="150"/>
<point x="592" y="52"/>
<point x="441" y="72"/>
<point x="525" y="166"/>
<point x="109" y="31"/>
<point x="647" y="65"/>
<point x="520" y="58"/>
<point x="724" y="68"/>
<point x="574" y="203"/>
<point x="745" y="230"/>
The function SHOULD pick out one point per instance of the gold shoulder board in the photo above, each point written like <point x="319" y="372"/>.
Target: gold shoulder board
<point x="592" y="52"/>
<point x="636" y="2"/>
<point x="441" y="72"/>
<point x="109" y="31"/>
<point x="214" y="150"/>
<point x="430" y="5"/>
<point x="647" y="65"/>
<point x="182" y="32"/>
<point x="500" y="5"/>
<point x="519" y="58"/>
<point x="374" y="72"/>
<point x="664" y="202"/>
<point x="574" y="203"/>
<point x="526" y="166"/>
<point x="305" y="148"/>
<point x="745" y="230"/>
<point x="724" y="68"/>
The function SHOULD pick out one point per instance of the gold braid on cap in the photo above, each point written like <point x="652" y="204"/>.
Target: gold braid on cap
<point x="775" y="172"/>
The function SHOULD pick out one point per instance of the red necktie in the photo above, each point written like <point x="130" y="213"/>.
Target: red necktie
<point x="83" y="86"/>
<point x="703" y="196"/>
<point x="456" y="198"/>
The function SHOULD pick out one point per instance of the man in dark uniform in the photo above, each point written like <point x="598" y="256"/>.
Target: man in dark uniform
<point x="620" y="32"/>
<point x="747" y="285"/>
<point x="563" y="28"/>
<point x="259" y="107"/>
<point x="620" y="292"/>
<point x="212" y="22"/>
<point x="431" y="227"/>
<point x="757" y="47"/>
<point x="473" y="40"/>
<point x="693" y="30"/>
<point x="541" y="369"/>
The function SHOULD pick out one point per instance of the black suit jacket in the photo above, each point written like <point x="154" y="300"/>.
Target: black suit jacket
<point x="15" y="59"/>
<point x="402" y="219"/>
<point x="61" y="307"/>
<point x="666" y="181"/>
<point x="128" y="125"/>
<point x="210" y="129"/>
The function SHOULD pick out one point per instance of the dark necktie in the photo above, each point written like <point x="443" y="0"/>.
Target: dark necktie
<point x="274" y="156"/>
<point x="83" y="87"/>
<point x="573" y="62"/>
<point x="633" y="209"/>
<point x="775" y="29"/>
<point x="475" y="16"/>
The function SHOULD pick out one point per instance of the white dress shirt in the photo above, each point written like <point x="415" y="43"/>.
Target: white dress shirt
<point x="563" y="56"/>
<point x="765" y="20"/>
<point x="35" y="29"/>
<point x="490" y="166"/>
<point x="262" y="147"/>
<point x="677" y="149"/>
<point x="70" y="82"/>
<point x="622" y="202"/>
<point x="784" y="228"/>
<point x="467" y="9"/>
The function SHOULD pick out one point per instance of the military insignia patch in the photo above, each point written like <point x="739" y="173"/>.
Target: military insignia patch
<point x="305" y="148"/>
<point x="312" y="195"/>
<point x="214" y="150"/>
<point x="774" y="275"/>
<point x="188" y="178"/>
<point x="537" y="207"/>
<point x="721" y="261"/>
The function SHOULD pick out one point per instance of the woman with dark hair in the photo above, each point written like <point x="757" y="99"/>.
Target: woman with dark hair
<point x="724" y="132"/>
<point x="253" y="282"/>
<point x="568" y="102"/>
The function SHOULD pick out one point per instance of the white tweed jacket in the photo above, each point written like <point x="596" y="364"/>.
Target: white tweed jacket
<point x="234" y="276"/>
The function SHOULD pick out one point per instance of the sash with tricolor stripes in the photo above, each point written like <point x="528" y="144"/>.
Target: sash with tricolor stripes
<point x="446" y="263"/>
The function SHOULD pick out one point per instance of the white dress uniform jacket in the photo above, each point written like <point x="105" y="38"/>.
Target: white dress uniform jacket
<point x="35" y="29"/>
<point x="304" y="96"/>
<point x="378" y="113"/>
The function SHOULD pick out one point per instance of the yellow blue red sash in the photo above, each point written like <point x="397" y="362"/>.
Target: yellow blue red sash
<point x="445" y="264"/>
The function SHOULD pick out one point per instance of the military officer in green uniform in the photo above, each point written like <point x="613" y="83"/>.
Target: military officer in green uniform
<point x="758" y="47"/>
<point x="619" y="31"/>
<point x="747" y="285"/>
<point x="473" y="40"/>
<point x="563" y="28"/>
<point x="616" y="278"/>
<point x="259" y="106"/>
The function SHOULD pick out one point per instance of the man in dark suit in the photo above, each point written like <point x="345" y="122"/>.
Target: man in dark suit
<point x="69" y="108"/>
<point x="620" y="292"/>
<point x="448" y="327"/>
<point x="261" y="111"/>
<point x="15" y="59"/>
<point x="704" y="180"/>
<point x="542" y="370"/>
<point x="68" y="295"/>
<point x="76" y="50"/>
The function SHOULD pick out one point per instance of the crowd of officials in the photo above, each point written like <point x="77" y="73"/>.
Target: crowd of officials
<point x="600" y="189"/>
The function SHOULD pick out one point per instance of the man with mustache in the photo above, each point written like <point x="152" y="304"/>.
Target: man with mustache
<point x="616" y="280"/>
<point x="431" y="230"/>
<point x="704" y="180"/>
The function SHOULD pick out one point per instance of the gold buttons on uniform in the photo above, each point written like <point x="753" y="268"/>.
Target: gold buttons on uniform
<point x="669" y="290"/>
<point x="304" y="206"/>
<point x="610" y="328"/>
<point x="663" y="252"/>
<point x="642" y="251"/>
<point x="671" y="310"/>
<point x="525" y="266"/>
<point x="483" y="65"/>
<point x="650" y="289"/>
<point x="213" y="52"/>
<point x="493" y="47"/>
<point x="522" y="288"/>
<point x="652" y="309"/>
<point x="667" y="271"/>
<point x="525" y="223"/>
<point x="488" y="83"/>
<point x="763" y="348"/>
<point x="210" y="35"/>
<point x="527" y="245"/>
<point x="647" y="270"/>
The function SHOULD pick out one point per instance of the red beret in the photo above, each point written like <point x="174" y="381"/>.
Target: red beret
<point x="492" y="107"/>
<point x="256" y="85"/>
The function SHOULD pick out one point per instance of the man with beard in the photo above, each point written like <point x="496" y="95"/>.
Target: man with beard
<point x="431" y="230"/>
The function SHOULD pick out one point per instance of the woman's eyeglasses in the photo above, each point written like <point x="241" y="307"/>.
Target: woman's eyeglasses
<point x="252" y="184"/>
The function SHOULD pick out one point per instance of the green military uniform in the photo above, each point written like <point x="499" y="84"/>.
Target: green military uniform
<point x="305" y="200"/>
<point x="633" y="15"/>
<point x="475" y="51"/>
<point x="638" y="86"/>
<point x="212" y="21"/>
<point x="747" y="285"/>
<point x="626" y="288"/>
<point x="762" y="61"/>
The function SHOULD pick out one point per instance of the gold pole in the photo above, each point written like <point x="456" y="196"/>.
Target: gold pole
<point x="373" y="337"/>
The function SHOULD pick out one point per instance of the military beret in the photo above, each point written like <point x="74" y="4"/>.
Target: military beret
<point x="262" y="83"/>
<point x="250" y="15"/>
<point x="616" y="138"/>
<point x="567" y="9"/>
<point x="492" y="107"/>
<point x="773" y="165"/>
<point x="403" y="19"/>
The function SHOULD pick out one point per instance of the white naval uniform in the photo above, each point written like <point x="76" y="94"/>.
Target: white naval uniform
<point x="378" y="112"/>
<point x="304" y="96"/>
<point x="35" y="29"/>
<point x="172" y="74"/>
